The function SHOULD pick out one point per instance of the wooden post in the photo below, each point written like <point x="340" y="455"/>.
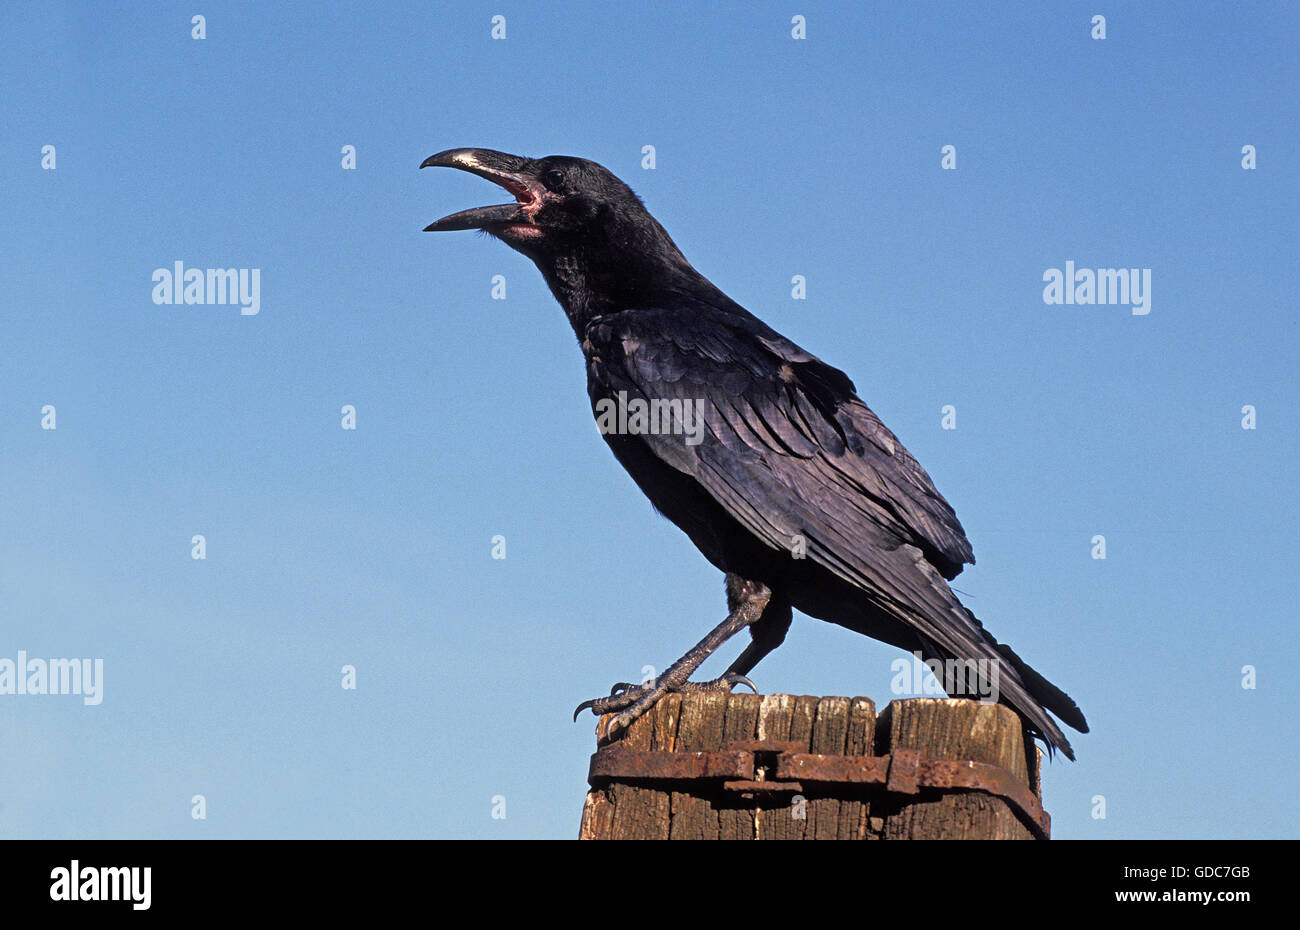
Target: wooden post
<point x="743" y="766"/>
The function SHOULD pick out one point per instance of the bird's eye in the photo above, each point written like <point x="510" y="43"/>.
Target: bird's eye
<point x="553" y="179"/>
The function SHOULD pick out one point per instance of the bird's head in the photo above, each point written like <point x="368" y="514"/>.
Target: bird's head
<point x="556" y="198"/>
<point x="585" y="229"/>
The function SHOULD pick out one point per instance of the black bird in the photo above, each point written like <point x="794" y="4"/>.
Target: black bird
<point x="786" y="482"/>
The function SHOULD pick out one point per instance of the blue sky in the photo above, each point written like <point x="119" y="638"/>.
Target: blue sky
<point x="774" y="158"/>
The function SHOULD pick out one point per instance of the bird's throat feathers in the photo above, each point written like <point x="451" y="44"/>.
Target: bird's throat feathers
<point x="590" y="282"/>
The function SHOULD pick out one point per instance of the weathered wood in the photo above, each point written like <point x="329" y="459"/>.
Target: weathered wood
<point x="829" y="729"/>
<point x="700" y="729"/>
<point x="831" y="726"/>
<point x="643" y="813"/>
<point x="772" y="819"/>
<point x="859" y="739"/>
<point x="945" y="728"/>
<point x="737" y="823"/>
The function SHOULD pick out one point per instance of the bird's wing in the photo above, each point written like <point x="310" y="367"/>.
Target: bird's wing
<point x="783" y="425"/>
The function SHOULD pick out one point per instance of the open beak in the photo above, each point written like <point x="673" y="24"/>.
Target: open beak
<point x="510" y="171"/>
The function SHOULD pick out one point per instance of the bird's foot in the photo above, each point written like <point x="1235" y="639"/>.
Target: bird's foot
<point x="628" y="702"/>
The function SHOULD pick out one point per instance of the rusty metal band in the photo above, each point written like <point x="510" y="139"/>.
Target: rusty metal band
<point x="752" y="767"/>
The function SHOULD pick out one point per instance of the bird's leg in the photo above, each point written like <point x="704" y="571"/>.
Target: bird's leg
<point x="746" y="600"/>
<point x="768" y="633"/>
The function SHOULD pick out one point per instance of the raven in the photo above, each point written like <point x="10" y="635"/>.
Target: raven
<point x="787" y="482"/>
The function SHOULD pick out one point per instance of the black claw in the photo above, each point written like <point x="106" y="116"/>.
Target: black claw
<point x="627" y="692"/>
<point x="742" y="680"/>
<point x="625" y="695"/>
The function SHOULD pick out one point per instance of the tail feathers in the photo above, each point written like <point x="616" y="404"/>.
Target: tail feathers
<point x="948" y="630"/>
<point x="1040" y="726"/>
<point x="1028" y="693"/>
<point x="1046" y="693"/>
<point x="1017" y="695"/>
<point x="1031" y="696"/>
